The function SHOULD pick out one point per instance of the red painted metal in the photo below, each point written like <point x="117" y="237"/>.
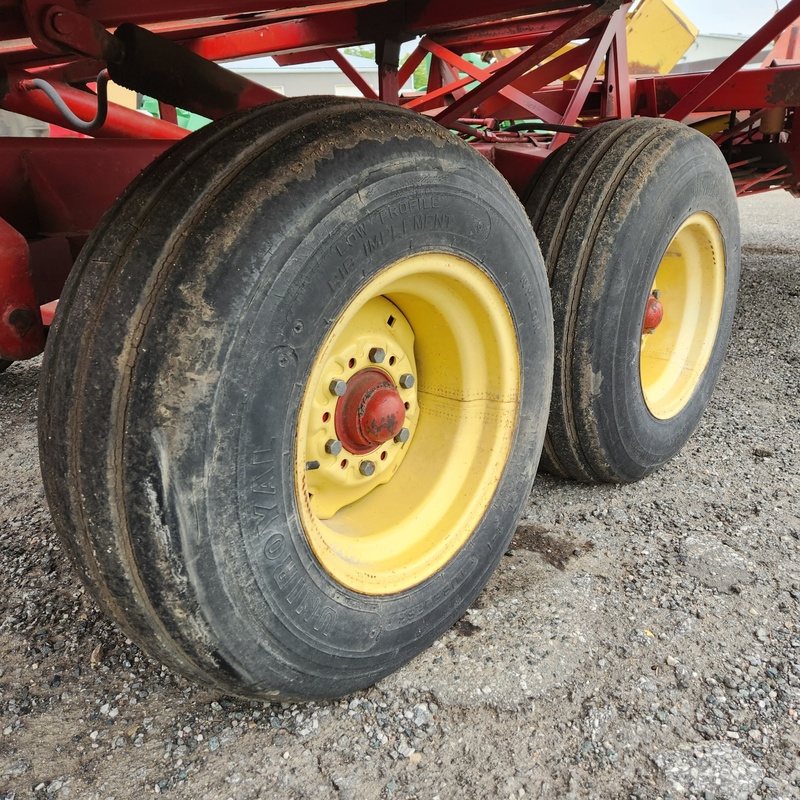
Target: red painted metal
<point x="54" y="192"/>
<point x="21" y="331"/>
<point x="694" y="99"/>
<point x="574" y="28"/>
<point x="17" y="94"/>
<point x="48" y="311"/>
<point x="351" y="72"/>
<point x="768" y="87"/>
<point x="370" y="412"/>
<point x="530" y="106"/>
<point x="51" y="195"/>
<point x="614" y="30"/>
<point x="653" y="315"/>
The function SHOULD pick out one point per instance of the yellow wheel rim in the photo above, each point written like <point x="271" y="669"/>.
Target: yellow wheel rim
<point x="690" y="282"/>
<point x="441" y="320"/>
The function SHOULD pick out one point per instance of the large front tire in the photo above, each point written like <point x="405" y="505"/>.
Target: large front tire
<point x="205" y="447"/>
<point x="630" y="214"/>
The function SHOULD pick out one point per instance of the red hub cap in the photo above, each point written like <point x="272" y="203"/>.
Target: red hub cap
<point x="653" y="314"/>
<point x="370" y="412"/>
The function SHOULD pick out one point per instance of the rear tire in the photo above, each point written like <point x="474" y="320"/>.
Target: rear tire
<point x="626" y="209"/>
<point x="188" y="439"/>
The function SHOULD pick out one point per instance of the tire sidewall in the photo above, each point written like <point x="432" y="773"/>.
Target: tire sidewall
<point x="255" y="578"/>
<point x="645" y="218"/>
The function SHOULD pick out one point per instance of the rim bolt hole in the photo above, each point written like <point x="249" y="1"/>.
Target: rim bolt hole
<point x="326" y="416"/>
<point x="392" y="359"/>
<point x="407" y="405"/>
<point x="383" y="456"/>
<point x="343" y="465"/>
<point x="351" y="363"/>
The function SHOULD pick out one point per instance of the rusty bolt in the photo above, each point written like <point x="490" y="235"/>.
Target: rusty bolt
<point x="367" y="468"/>
<point x="377" y="355"/>
<point x="338" y="388"/>
<point x="407" y="380"/>
<point x="333" y="447"/>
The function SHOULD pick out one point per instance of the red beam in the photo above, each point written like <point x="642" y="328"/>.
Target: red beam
<point x="502" y="35"/>
<point x="573" y="29"/>
<point x="728" y="68"/>
<point x="530" y="106"/>
<point x="539" y="77"/>
<point x="352" y="73"/>
<point x="768" y="87"/>
<point x="363" y="25"/>
<point x="111" y="13"/>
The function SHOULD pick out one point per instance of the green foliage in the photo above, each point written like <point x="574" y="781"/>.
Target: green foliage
<point x="362" y="50"/>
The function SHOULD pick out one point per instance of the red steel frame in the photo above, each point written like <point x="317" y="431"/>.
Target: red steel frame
<point x="54" y="191"/>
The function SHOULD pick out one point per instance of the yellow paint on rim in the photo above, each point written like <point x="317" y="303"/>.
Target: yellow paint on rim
<point x="691" y="280"/>
<point x="444" y="321"/>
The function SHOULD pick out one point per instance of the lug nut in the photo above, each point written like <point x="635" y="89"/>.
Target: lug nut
<point x="402" y="435"/>
<point x="338" y="388"/>
<point x="407" y="380"/>
<point x="333" y="447"/>
<point x="377" y="355"/>
<point x="367" y="468"/>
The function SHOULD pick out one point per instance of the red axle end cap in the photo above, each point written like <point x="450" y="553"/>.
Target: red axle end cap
<point x="370" y="412"/>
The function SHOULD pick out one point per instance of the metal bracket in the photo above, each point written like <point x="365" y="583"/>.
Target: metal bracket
<point x="61" y="29"/>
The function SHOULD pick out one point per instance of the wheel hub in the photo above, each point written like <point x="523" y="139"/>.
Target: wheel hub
<point x="370" y="412"/>
<point x="408" y="416"/>
<point x="654" y="313"/>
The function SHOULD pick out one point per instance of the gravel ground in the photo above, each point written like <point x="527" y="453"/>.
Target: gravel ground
<point x="637" y="642"/>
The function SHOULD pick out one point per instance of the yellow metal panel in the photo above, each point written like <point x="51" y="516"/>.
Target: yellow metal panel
<point x="659" y="33"/>
<point x="121" y="95"/>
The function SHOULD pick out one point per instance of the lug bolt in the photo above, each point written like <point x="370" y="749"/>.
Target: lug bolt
<point x="377" y="355"/>
<point x="367" y="468"/>
<point x="333" y="447"/>
<point x="657" y="294"/>
<point x="338" y="388"/>
<point x="407" y="380"/>
<point x="402" y="435"/>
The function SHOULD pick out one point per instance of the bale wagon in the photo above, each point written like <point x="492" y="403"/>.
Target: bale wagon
<point x="301" y="365"/>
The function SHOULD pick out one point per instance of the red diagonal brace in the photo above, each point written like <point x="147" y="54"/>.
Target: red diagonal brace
<point x="573" y="29"/>
<point x="524" y="101"/>
<point x="728" y="68"/>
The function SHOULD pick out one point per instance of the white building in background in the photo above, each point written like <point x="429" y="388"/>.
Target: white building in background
<point x="320" y="77"/>
<point x="709" y="50"/>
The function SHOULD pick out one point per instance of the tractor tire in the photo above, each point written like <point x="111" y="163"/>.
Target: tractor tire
<point x="633" y="214"/>
<point x="295" y="395"/>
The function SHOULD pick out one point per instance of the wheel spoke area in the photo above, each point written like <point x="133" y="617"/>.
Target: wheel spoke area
<point x="449" y="350"/>
<point x="690" y="284"/>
